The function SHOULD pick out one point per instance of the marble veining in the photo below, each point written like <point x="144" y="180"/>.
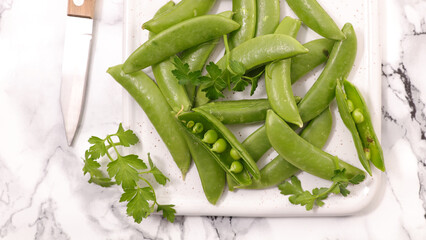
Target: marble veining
<point x="44" y="195"/>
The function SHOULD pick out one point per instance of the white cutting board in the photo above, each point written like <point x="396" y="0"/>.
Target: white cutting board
<point x="188" y="195"/>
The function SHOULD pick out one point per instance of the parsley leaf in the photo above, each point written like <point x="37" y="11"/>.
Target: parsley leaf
<point x="158" y="175"/>
<point x="168" y="212"/>
<point x="96" y="175"/>
<point x="98" y="148"/>
<point x="184" y="75"/>
<point x="138" y="206"/>
<point x="127" y="138"/>
<point x="126" y="171"/>
<point x="298" y="196"/>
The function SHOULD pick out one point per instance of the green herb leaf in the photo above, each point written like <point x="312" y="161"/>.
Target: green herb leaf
<point x="239" y="83"/>
<point x="96" y="175"/>
<point x="168" y="212"/>
<point x="125" y="170"/>
<point x="158" y="175"/>
<point x="184" y="75"/>
<point x="126" y="138"/>
<point x="138" y="206"/>
<point x="304" y="198"/>
<point x="98" y="148"/>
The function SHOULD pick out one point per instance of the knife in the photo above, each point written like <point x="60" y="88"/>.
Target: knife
<point x="78" y="37"/>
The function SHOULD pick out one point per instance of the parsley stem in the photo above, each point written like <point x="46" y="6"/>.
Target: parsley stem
<point x="150" y="186"/>
<point x="113" y="145"/>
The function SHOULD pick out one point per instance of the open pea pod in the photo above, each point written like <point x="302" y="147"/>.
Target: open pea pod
<point x="356" y="117"/>
<point x="201" y="125"/>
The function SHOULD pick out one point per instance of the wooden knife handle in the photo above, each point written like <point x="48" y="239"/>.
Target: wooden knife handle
<point x="86" y="10"/>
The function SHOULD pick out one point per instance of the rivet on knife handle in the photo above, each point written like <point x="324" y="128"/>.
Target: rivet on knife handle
<point x="86" y="10"/>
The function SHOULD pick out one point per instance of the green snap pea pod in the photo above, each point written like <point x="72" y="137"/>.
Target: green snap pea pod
<point x="240" y="111"/>
<point x="184" y="10"/>
<point x="268" y="16"/>
<point x="256" y="52"/>
<point x="365" y="128"/>
<point x="196" y="57"/>
<point x="177" y="38"/>
<point x="319" y="51"/>
<point x="220" y="149"/>
<point x="365" y="139"/>
<point x="245" y="15"/>
<point x="278" y="79"/>
<point x="278" y="170"/>
<point x="174" y="93"/>
<point x="300" y="152"/>
<point x="149" y="97"/>
<point x="338" y="66"/>
<point x="316" y="18"/>
<point x="211" y="174"/>
<point x="166" y="7"/>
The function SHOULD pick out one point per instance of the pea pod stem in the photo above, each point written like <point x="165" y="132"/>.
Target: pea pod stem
<point x="149" y="97"/>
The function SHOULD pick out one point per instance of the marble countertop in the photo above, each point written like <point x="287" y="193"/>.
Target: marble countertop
<point x="43" y="194"/>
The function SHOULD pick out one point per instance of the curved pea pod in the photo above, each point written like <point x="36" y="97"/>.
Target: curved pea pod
<point x="319" y="51"/>
<point x="174" y="93"/>
<point x="211" y="174"/>
<point x="257" y="52"/>
<point x="268" y="16"/>
<point x="365" y="139"/>
<point x="245" y="15"/>
<point x="177" y="38"/>
<point x="316" y="18"/>
<point x="149" y="97"/>
<point x="196" y="57"/>
<point x="184" y="10"/>
<point x="338" y="66"/>
<point x="278" y="170"/>
<point x="237" y="112"/>
<point x="278" y="79"/>
<point x="301" y="153"/>
<point x="209" y="122"/>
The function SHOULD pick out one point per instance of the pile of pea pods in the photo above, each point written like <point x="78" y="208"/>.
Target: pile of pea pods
<point x="193" y="127"/>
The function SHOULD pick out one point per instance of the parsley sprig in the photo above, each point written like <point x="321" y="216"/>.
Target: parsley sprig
<point x="216" y="80"/>
<point x="127" y="171"/>
<point x="298" y="196"/>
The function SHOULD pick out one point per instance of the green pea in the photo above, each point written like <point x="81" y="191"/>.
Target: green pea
<point x="234" y="154"/>
<point x="351" y="106"/>
<point x="190" y="124"/>
<point x="219" y="146"/>
<point x="236" y="167"/>
<point x="358" y="116"/>
<point x="210" y="136"/>
<point x="367" y="153"/>
<point x="198" y="128"/>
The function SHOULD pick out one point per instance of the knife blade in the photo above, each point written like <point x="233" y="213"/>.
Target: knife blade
<point x="78" y="38"/>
